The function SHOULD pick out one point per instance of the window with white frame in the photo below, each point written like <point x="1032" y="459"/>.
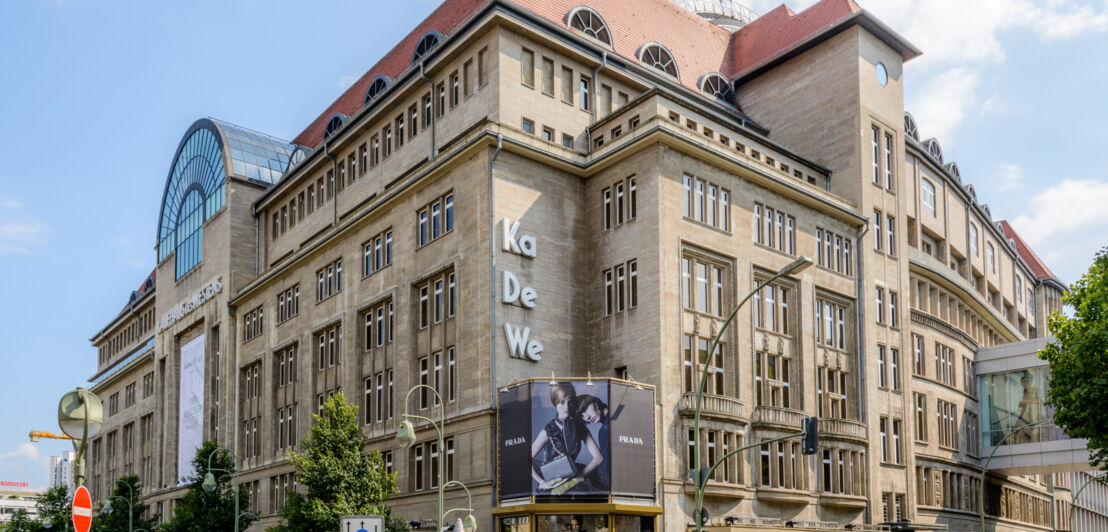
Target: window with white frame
<point x="774" y="228"/>
<point x="833" y="251"/>
<point x="329" y="280"/>
<point x="621" y="287"/>
<point x="377" y="252"/>
<point x="707" y="202"/>
<point x="705" y="284"/>
<point x="927" y="195"/>
<point x="380" y="324"/>
<point x="436" y="219"/>
<point x="619" y="203"/>
<point x="288" y="303"/>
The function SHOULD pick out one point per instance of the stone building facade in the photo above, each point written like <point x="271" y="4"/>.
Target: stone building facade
<point x="525" y="189"/>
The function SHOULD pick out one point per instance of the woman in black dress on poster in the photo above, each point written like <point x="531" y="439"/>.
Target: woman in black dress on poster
<point x="564" y="436"/>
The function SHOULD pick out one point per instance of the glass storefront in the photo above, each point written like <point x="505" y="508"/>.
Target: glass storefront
<point x="1013" y="405"/>
<point x="578" y="523"/>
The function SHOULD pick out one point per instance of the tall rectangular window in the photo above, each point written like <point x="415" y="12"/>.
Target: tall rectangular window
<point x="889" y="162"/>
<point x="876" y="155"/>
<point x="586" y="93"/>
<point x="877" y="236"/>
<point x="527" y="67"/>
<point x="547" y="76"/>
<point x="890" y="230"/>
<point x="882" y="380"/>
<point x="567" y="85"/>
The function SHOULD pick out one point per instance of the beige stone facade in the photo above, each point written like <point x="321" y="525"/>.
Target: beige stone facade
<point x="369" y="269"/>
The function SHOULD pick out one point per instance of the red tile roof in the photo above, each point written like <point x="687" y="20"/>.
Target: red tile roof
<point x="141" y="290"/>
<point x="698" y="46"/>
<point x="1037" y="267"/>
<point x="781" y="30"/>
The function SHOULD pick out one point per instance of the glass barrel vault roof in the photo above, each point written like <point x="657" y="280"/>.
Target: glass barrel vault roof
<point x="255" y="155"/>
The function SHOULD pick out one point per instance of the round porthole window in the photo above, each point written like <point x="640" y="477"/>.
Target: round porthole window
<point x="882" y="74"/>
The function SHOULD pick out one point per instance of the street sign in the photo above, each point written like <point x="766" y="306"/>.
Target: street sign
<point x="82" y="510"/>
<point x="362" y="523"/>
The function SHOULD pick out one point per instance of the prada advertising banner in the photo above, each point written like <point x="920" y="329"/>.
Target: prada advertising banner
<point x="576" y="438"/>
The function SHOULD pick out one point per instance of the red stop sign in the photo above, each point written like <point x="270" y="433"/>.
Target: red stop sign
<point x="82" y="510"/>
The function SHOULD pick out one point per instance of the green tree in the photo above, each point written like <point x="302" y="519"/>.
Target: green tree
<point x="55" y="507"/>
<point x="203" y="511"/>
<point x="20" y="522"/>
<point x="118" y="519"/>
<point x="340" y="477"/>
<point x="1079" y="361"/>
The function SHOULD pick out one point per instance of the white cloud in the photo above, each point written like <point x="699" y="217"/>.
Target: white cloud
<point x="20" y="233"/>
<point x="1069" y="210"/>
<point x="24" y="452"/>
<point x="944" y="102"/>
<point x="1009" y="177"/>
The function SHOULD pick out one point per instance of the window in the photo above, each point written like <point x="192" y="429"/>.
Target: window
<point x="875" y="134"/>
<point x="656" y="56"/>
<point x="897" y="450"/>
<point x="400" y="131"/>
<point x="833" y="251"/>
<point x="528" y="126"/>
<point x="890" y="231"/>
<point x="252" y="324"/>
<point x="877" y="236"/>
<point x="990" y="257"/>
<point x="774" y="228"/>
<point x="880" y="305"/>
<point x="455" y="89"/>
<point x="707" y="203"/>
<point x="547" y="76"/>
<point x="918" y="365"/>
<point x="773" y="379"/>
<point x="894" y="367"/>
<point x="695" y="357"/>
<point x="567" y="140"/>
<point x="375" y="154"/>
<point x="148" y="385"/>
<point x="436" y="219"/>
<point x="284" y="366"/>
<point x="380" y="322"/>
<point x="948" y="424"/>
<point x="831" y="392"/>
<point x="944" y="365"/>
<point x="386" y="134"/>
<point x="883" y="428"/>
<point x="548" y="134"/>
<point x="921" y="416"/>
<point x="467" y="78"/>
<point x="619" y="203"/>
<point x="329" y="280"/>
<point x="129" y="395"/>
<point x="771" y="307"/>
<point x="441" y="91"/>
<point x="377" y="252"/>
<point x="288" y="304"/>
<point x="882" y="380"/>
<point x="567" y="85"/>
<point x="585" y="84"/>
<point x="329" y="347"/>
<point x="892" y="309"/>
<point x="889" y="162"/>
<point x="927" y="195"/>
<point x="436" y="298"/>
<point x="973" y="433"/>
<point x="589" y="23"/>
<point x="621" y="287"/>
<point x="973" y="240"/>
<point x="704" y="283"/>
<point x="832" y="324"/>
<point x="527" y="67"/>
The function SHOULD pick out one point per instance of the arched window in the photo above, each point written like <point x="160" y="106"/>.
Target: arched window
<point x="934" y="149"/>
<point x="715" y="86"/>
<point x="657" y="56"/>
<point x="430" y="40"/>
<point x="193" y="192"/>
<point x="927" y="195"/>
<point x="952" y="167"/>
<point x="334" y="124"/>
<point x="297" y="157"/>
<point x="376" y="87"/>
<point x="589" y="22"/>
<point x="910" y="127"/>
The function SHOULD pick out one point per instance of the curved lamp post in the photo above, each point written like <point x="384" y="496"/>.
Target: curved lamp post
<point x="405" y="436"/>
<point x="700" y="478"/>
<point x="210" y="484"/>
<point x="107" y="508"/>
<point x="985" y="469"/>
<point x="80" y="416"/>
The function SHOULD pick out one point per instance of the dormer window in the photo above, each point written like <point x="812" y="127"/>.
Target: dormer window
<point x="376" y="87"/>
<point x="334" y="124"/>
<point x="656" y="56"/>
<point x="910" y="127"/>
<point x="589" y="22"/>
<point x="430" y="40"/>
<point x="715" y="86"/>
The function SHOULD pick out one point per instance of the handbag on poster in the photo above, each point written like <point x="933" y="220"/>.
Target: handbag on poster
<point x="560" y="468"/>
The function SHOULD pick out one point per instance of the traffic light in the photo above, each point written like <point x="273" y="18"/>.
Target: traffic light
<point x="811" y="435"/>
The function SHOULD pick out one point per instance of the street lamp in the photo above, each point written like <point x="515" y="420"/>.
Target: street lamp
<point x="405" y="436"/>
<point x="80" y="416"/>
<point x="985" y="469"/>
<point x="107" y="508"/>
<point x="1073" y="498"/>
<point x="700" y="476"/>
<point x="209" y="485"/>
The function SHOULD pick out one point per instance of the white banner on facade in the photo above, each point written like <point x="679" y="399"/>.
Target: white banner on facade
<point x="190" y="423"/>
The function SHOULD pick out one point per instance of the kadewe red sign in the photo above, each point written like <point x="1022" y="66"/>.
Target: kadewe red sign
<point x="82" y="510"/>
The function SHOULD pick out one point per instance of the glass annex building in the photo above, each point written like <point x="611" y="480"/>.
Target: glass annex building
<point x="537" y="214"/>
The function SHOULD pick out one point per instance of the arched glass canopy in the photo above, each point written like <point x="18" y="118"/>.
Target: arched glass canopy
<point x="194" y="189"/>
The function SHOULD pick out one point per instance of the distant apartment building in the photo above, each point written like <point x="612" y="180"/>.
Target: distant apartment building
<point x="61" y="470"/>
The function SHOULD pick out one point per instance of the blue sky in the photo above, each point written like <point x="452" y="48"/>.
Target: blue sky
<point x="97" y="94"/>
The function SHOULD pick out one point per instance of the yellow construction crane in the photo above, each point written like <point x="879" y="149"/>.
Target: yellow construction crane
<point x="37" y="435"/>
